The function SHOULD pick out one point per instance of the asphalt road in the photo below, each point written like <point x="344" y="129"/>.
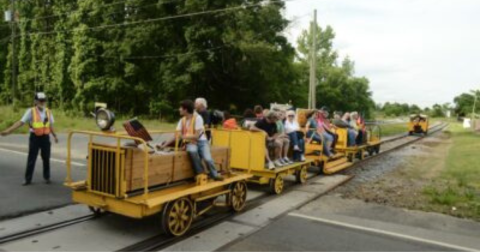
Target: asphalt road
<point x="19" y="200"/>
<point x="298" y="234"/>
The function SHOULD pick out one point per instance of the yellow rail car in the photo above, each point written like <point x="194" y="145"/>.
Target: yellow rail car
<point x="125" y="180"/>
<point x="371" y="145"/>
<point x="345" y="155"/>
<point x="314" y="150"/>
<point x="248" y="156"/>
<point x="418" y="124"/>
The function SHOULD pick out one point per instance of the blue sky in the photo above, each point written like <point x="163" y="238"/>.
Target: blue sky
<point x="414" y="51"/>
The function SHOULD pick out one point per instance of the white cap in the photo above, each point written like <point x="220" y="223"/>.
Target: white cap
<point x="40" y="96"/>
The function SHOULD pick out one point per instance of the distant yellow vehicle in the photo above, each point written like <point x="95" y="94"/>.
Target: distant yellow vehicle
<point x="418" y="124"/>
<point x="138" y="182"/>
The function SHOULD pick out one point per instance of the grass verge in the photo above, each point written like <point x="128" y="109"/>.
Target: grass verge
<point x="457" y="189"/>
<point x="394" y="129"/>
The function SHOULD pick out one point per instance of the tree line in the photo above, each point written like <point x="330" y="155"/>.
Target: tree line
<point x="143" y="56"/>
<point x="396" y="109"/>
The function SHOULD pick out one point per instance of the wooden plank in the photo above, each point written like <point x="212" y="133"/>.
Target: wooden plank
<point x="168" y="168"/>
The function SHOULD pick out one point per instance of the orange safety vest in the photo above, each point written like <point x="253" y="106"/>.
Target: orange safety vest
<point x="39" y="127"/>
<point x="191" y="129"/>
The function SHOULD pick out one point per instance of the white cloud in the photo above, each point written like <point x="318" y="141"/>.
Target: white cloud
<point x="415" y="51"/>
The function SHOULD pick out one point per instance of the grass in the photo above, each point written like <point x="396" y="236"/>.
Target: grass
<point x="458" y="186"/>
<point x="64" y="122"/>
<point x="394" y="129"/>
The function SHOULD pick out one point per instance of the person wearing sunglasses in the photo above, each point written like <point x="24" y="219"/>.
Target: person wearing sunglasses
<point x="297" y="137"/>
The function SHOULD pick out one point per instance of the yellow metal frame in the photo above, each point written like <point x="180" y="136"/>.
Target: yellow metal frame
<point x="423" y="125"/>
<point x="254" y="144"/>
<point x="148" y="203"/>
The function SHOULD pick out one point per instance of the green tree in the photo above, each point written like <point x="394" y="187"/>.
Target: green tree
<point x="464" y="102"/>
<point x="437" y="111"/>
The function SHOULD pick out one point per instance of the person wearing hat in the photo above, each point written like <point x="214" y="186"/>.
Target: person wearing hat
<point x="40" y="120"/>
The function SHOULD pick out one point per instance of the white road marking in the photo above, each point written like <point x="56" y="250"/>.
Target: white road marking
<point x="51" y="159"/>
<point x="379" y="231"/>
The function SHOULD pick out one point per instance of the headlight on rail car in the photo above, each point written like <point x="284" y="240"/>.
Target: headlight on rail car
<point x="105" y="119"/>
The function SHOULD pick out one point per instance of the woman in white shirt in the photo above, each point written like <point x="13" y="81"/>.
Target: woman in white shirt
<point x="292" y="129"/>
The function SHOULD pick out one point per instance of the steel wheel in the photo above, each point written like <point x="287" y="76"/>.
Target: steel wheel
<point x="237" y="198"/>
<point x="276" y="184"/>
<point x="301" y="175"/>
<point x="177" y="217"/>
<point x="377" y="149"/>
<point x="350" y="157"/>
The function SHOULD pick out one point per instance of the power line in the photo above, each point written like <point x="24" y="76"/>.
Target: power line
<point x="193" y="14"/>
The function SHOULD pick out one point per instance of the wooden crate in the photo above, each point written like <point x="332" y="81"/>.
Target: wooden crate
<point x="164" y="169"/>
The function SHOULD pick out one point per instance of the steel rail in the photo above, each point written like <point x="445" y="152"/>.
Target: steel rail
<point x="158" y="242"/>
<point x="432" y="130"/>
<point x="35" y="231"/>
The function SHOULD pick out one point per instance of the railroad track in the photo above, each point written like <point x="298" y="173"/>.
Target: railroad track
<point x="432" y="130"/>
<point x="47" y="228"/>
<point x="433" y="127"/>
<point x="158" y="242"/>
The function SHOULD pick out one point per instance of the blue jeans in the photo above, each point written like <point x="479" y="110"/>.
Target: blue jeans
<point x="351" y="137"/>
<point x="200" y="151"/>
<point x="300" y="142"/>
<point x="327" y="137"/>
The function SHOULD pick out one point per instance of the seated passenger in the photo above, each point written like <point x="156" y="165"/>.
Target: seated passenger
<point x="327" y="125"/>
<point x="316" y="132"/>
<point x="283" y="138"/>
<point x="229" y="122"/>
<point x="352" y="132"/>
<point x="269" y="125"/>
<point x="258" y="110"/>
<point x="192" y="132"/>
<point x="249" y="119"/>
<point x="201" y="109"/>
<point x="292" y="128"/>
<point x="357" y="123"/>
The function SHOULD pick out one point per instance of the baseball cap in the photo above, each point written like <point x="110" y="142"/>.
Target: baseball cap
<point x="40" y="96"/>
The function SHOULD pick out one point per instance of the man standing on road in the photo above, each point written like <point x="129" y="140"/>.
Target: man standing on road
<point x="40" y="120"/>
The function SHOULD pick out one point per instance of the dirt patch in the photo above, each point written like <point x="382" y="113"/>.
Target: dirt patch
<point x="402" y="177"/>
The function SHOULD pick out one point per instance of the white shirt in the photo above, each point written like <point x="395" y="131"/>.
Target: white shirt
<point x="291" y="126"/>
<point x="198" y="126"/>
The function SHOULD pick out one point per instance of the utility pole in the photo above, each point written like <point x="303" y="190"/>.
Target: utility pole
<point x="313" y="65"/>
<point x="14" y="69"/>
<point x="473" y="109"/>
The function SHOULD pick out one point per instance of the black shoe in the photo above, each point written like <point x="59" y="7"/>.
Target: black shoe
<point x="48" y="182"/>
<point x="218" y="178"/>
<point x="25" y="183"/>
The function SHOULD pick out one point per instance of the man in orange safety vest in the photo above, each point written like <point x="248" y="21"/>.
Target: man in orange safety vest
<point x="40" y="120"/>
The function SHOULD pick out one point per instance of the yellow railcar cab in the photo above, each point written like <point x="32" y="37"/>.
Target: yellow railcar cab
<point x="418" y="124"/>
